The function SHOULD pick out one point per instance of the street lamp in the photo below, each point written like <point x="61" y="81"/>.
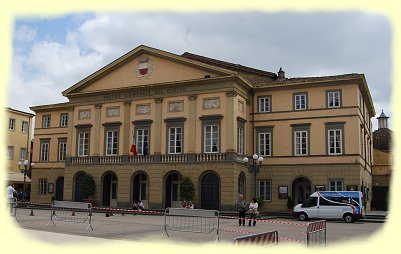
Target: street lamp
<point x="25" y="172"/>
<point x="253" y="168"/>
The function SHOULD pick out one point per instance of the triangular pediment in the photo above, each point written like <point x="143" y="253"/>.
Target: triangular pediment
<point x="145" y="66"/>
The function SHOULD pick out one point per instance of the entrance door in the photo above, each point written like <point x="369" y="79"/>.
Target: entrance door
<point x="79" y="181"/>
<point x="109" y="190"/>
<point x="380" y="198"/>
<point x="60" y="188"/>
<point x="301" y="190"/>
<point x="210" y="192"/>
<point x="172" y="191"/>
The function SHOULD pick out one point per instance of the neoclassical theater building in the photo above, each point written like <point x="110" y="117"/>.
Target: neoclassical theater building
<point x="195" y="116"/>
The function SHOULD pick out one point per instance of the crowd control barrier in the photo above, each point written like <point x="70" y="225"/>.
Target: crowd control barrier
<point x="71" y="212"/>
<point x="261" y="239"/>
<point x="316" y="233"/>
<point x="191" y="220"/>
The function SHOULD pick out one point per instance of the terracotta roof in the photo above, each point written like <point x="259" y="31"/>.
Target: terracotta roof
<point x="382" y="139"/>
<point x="307" y="79"/>
<point x="230" y="66"/>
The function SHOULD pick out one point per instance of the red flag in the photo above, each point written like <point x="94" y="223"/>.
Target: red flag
<point x="133" y="146"/>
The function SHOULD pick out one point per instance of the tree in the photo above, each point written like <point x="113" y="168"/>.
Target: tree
<point x="187" y="189"/>
<point x="88" y="186"/>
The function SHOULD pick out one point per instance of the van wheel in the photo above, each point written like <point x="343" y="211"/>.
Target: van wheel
<point x="348" y="218"/>
<point x="303" y="216"/>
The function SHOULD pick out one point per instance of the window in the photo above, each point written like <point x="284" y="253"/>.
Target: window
<point x="264" y="144"/>
<point x="22" y="154"/>
<point x="62" y="149"/>
<point x="212" y="136"/>
<point x="83" y="143"/>
<point x="300" y="143"/>
<point x="211" y="133"/>
<point x="333" y="99"/>
<point x="63" y="120"/>
<point x="142" y="189"/>
<point x="335" y="141"/>
<point x="142" y="141"/>
<point x="300" y="101"/>
<point x="241" y="184"/>
<point x="175" y="140"/>
<point x="10" y="152"/>
<point x="265" y="190"/>
<point x="264" y="104"/>
<point x="11" y="124"/>
<point x="44" y="150"/>
<point x="175" y="187"/>
<point x="335" y="185"/>
<point x="46" y="121"/>
<point x="240" y="140"/>
<point x="42" y="186"/>
<point x="24" y="128"/>
<point x="111" y="142"/>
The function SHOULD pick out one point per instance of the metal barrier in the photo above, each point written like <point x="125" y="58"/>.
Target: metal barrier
<point x="191" y="220"/>
<point x="261" y="239"/>
<point x="316" y="233"/>
<point x="71" y="212"/>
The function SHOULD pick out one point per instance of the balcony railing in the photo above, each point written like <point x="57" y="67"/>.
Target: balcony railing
<point x="167" y="158"/>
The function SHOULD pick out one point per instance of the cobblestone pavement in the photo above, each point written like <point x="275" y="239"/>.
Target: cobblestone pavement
<point x="148" y="228"/>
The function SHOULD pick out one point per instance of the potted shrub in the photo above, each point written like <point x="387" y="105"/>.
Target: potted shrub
<point x="88" y="188"/>
<point x="187" y="189"/>
<point x="290" y="204"/>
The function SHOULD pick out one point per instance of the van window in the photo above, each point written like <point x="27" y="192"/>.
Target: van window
<point x="337" y="201"/>
<point x="309" y="202"/>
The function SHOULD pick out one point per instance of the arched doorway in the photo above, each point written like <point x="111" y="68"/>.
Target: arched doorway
<point x="109" y="197"/>
<point x="140" y="188"/>
<point x="79" y="180"/>
<point x="210" y="191"/>
<point x="301" y="189"/>
<point x="172" y="190"/>
<point x="59" y="188"/>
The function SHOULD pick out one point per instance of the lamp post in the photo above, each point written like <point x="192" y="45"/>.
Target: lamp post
<point x="25" y="172"/>
<point x="253" y="168"/>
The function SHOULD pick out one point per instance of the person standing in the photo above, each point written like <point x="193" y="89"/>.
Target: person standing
<point x="241" y="210"/>
<point x="10" y="196"/>
<point x="253" y="211"/>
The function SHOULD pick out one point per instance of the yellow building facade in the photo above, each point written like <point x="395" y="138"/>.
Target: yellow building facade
<point x="19" y="133"/>
<point x="199" y="117"/>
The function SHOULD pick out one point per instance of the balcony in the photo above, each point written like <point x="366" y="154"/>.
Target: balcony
<point x="165" y="158"/>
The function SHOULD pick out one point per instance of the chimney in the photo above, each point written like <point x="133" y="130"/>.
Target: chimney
<point x="281" y="74"/>
<point x="382" y="120"/>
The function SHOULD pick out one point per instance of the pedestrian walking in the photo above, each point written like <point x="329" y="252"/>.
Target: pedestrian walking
<point x="10" y="196"/>
<point x="241" y="208"/>
<point x="253" y="211"/>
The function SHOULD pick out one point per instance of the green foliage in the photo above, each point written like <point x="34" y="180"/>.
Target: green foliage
<point x="187" y="189"/>
<point x="290" y="203"/>
<point x="88" y="186"/>
<point x="260" y="202"/>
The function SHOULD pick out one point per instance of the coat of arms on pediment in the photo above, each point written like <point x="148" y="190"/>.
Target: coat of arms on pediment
<point x="143" y="67"/>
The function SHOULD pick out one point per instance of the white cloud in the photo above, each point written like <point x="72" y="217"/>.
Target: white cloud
<point x="24" y="33"/>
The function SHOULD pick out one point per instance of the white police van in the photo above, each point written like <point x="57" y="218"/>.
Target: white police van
<point x="345" y="205"/>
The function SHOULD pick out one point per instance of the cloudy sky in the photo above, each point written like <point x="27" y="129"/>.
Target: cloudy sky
<point x="52" y="54"/>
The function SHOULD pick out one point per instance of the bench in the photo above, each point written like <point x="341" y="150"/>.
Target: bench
<point x="69" y="211"/>
<point x="191" y="220"/>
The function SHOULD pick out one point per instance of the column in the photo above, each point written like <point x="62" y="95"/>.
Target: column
<point x="230" y="122"/>
<point x="70" y="132"/>
<point x="126" y="135"/>
<point x="96" y="129"/>
<point x="158" y="126"/>
<point x="192" y="124"/>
